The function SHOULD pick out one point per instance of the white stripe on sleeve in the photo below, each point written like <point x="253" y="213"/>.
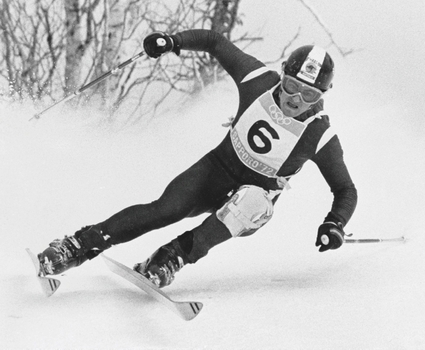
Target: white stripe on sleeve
<point x="327" y="135"/>
<point x="255" y="73"/>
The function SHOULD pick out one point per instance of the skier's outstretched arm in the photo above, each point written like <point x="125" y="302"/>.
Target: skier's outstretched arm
<point x="332" y="166"/>
<point x="236" y="62"/>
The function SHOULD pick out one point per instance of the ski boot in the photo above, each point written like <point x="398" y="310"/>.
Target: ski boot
<point x="162" y="265"/>
<point x="63" y="254"/>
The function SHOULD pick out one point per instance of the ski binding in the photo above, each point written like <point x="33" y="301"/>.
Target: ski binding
<point x="48" y="285"/>
<point x="187" y="310"/>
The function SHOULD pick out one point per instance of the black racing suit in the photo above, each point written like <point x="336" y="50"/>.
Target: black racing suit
<point x="205" y="186"/>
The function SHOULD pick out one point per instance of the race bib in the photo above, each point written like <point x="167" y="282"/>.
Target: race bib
<point x="264" y="137"/>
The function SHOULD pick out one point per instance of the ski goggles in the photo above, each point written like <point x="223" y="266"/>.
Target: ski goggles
<point x="293" y="86"/>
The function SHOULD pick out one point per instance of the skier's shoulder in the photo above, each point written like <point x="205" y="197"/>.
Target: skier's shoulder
<point x="322" y="123"/>
<point x="325" y="134"/>
<point x="321" y="117"/>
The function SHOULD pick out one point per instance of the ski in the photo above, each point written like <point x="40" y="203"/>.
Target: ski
<point x="187" y="310"/>
<point x="48" y="285"/>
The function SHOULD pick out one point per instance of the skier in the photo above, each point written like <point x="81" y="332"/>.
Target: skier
<point x="279" y="125"/>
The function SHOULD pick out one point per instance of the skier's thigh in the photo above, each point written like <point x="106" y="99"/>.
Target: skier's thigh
<point x="197" y="189"/>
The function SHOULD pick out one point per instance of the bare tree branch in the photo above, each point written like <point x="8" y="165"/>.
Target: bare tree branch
<point x="325" y="28"/>
<point x="52" y="47"/>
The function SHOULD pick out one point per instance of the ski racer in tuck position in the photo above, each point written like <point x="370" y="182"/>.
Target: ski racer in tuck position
<point x="279" y="125"/>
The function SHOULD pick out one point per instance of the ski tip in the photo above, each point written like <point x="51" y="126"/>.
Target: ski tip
<point x="188" y="310"/>
<point x="49" y="285"/>
<point x="196" y="307"/>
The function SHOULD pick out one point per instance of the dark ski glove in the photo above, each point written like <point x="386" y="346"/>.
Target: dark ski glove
<point x="330" y="236"/>
<point x="157" y="43"/>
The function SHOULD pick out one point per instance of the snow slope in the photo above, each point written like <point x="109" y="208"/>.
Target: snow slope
<point x="272" y="290"/>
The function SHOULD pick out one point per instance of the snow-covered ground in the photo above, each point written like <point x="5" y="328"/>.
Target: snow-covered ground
<point x="272" y="290"/>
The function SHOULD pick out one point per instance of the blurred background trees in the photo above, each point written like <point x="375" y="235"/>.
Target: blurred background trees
<point x="51" y="48"/>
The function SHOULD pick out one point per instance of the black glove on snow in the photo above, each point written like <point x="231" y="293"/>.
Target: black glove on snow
<point x="330" y="236"/>
<point x="157" y="43"/>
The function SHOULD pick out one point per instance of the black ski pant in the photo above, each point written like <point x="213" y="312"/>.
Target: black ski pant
<point x="202" y="188"/>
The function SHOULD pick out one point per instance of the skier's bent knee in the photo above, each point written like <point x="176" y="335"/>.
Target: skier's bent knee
<point x="247" y="210"/>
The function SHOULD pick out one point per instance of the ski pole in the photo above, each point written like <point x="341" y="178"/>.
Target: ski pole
<point x="92" y="83"/>
<point x="376" y="240"/>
